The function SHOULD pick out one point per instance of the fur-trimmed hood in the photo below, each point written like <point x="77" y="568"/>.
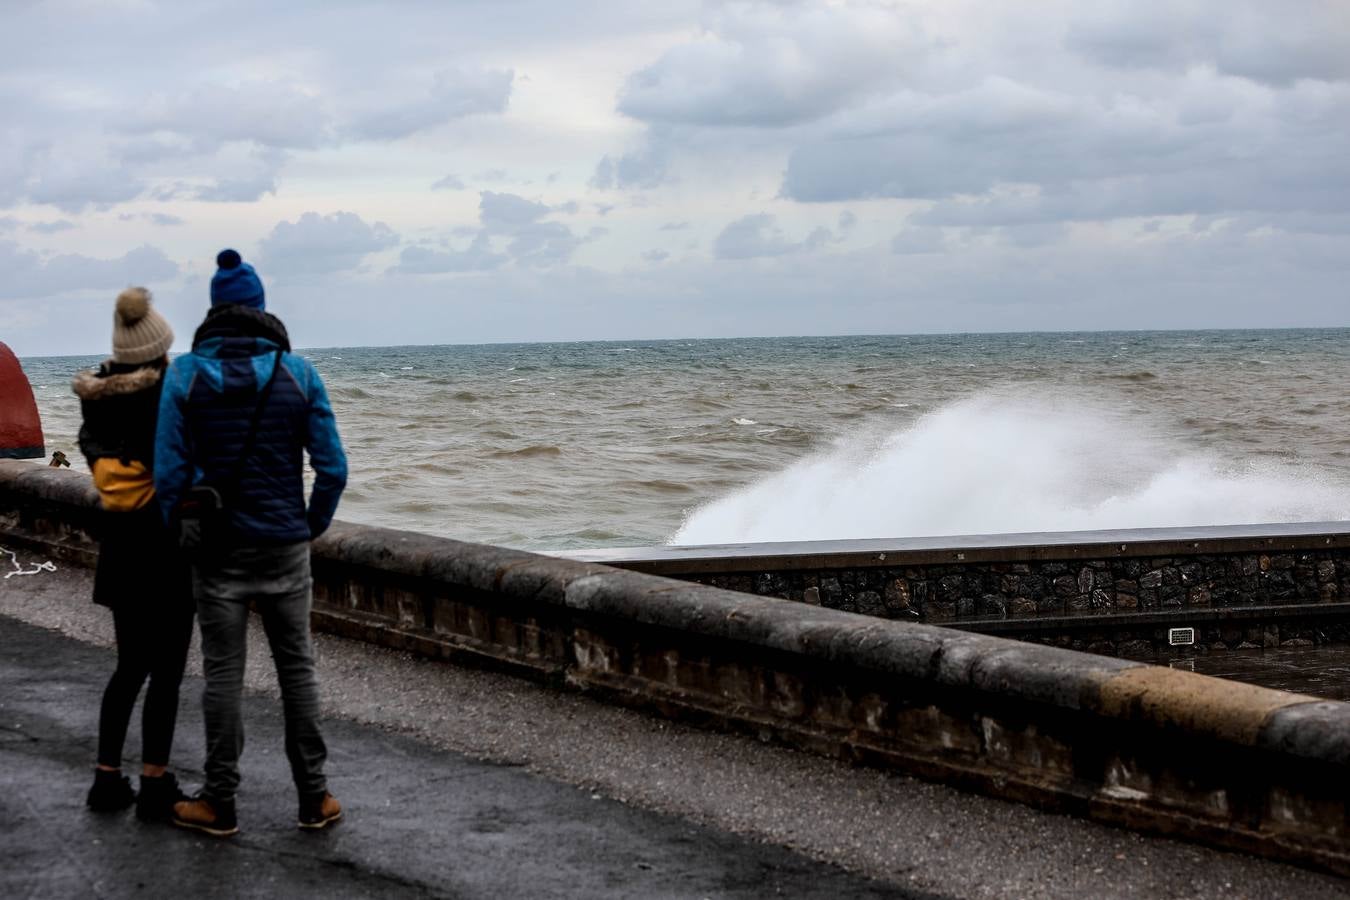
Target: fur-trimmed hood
<point x="102" y="384"/>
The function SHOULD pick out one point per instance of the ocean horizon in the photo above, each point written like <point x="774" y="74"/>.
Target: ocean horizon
<point x="573" y="444"/>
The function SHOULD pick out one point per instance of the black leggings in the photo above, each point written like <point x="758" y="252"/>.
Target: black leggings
<point x="151" y="643"/>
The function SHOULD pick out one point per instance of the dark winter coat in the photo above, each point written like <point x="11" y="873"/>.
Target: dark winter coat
<point x="119" y="405"/>
<point x="138" y="560"/>
<point x="209" y="399"/>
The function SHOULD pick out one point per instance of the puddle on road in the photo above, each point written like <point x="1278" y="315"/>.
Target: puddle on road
<point x="1321" y="671"/>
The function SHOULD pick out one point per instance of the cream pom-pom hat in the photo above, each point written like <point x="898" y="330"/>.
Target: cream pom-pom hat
<point x="140" y="334"/>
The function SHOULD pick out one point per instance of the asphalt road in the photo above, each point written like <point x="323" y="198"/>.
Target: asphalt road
<point x="910" y="835"/>
<point x="420" y="822"/>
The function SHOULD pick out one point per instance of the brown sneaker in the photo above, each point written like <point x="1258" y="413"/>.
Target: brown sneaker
<point x="319" y="811"/>
<point x="203" y="813"/>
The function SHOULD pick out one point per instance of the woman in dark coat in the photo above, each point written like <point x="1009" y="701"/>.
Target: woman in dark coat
<point x="141" y="575"/>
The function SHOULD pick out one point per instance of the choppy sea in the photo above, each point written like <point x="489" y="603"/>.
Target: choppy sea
<point x="554" y="446"/>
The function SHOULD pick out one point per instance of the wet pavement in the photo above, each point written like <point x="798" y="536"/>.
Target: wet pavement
<point x="1321" y="671"/>
<point x="458" y="781"/>
<point x="418" y="823"/>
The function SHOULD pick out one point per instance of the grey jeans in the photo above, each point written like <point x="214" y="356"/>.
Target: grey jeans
<point x="277" y="580"/>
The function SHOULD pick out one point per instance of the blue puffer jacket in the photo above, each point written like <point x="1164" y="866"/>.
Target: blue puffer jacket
<point x="207" y="403"/>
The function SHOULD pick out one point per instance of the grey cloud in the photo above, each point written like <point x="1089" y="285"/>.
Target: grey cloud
<point x="763" y="64"/>
<point x="147" y="151"/>
<point x="506" y="211"/>
<point x="1277" y="44"/>
<point x="674" y="226"/>
<point x="918" y="240"/>
<point x="1250" y="281"/>
<point x="819" y="237"/>
<point x="477" y="257"/>
<point x="90" y="135"/>
<point x="241" y="178"/>
<point x="645" y="167"/>
<point x="532" y="242"/>
<point x="314" y="243"/>
<point x="656" y="256"/>
<point x="29" y="275"/>
<point x="154" y="218"/>
<point x="51" y="227"/>
<point x="506" y="221"/>
<point x="237" y="190"/>
<point x="1038" y="234"/>
<point x="271" y="114"/>
<point x="453" y="94"/>
<point x="759" y="235"/>
<point x="543" y="244"/>
<point x="449" y="183"/>
<point x="1048" y="157"/>
<point x="75" y="175"/>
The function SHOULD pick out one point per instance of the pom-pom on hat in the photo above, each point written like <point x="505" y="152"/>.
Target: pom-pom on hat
<point x="235" y="282"/>
<point x="140" y="334"/>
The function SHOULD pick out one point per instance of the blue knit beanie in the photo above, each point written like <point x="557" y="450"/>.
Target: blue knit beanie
<point x="236" y="282"/>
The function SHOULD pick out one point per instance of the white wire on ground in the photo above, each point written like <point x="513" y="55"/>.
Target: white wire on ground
<point x="38" y="568"/>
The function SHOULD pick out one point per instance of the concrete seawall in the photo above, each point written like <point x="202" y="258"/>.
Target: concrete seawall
<point x="1167" y="751"/>
<point x="1112" y="592"/>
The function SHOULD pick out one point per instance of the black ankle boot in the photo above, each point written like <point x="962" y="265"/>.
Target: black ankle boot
<point x="157" y="797"/>
<point x="111" y="792"/>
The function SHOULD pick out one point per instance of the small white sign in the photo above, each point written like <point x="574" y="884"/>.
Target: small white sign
<point x="1180" y="636"/>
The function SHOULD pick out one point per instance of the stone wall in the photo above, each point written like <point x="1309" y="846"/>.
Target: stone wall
<point x="1239" y="588"/>
<point x="947" y="593"/>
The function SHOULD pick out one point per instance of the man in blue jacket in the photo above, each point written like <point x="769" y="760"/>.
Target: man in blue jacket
<point x="242" y="379"/>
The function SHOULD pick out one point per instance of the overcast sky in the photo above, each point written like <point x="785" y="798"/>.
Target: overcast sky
<point x="457" y="172"/>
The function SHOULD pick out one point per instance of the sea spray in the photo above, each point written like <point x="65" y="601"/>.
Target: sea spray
<point x="997" y="463"/>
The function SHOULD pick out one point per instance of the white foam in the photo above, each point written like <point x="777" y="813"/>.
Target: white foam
<point x="993" y="463"/>
<point x="741" y="420"/>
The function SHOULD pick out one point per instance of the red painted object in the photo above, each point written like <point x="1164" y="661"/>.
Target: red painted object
<point x="20" y="427"/>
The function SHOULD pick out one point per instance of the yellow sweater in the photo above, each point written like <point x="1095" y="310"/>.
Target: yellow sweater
<point x="123" y="487"/>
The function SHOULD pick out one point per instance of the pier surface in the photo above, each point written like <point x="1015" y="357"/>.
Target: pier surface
<point x="461" y="783"/>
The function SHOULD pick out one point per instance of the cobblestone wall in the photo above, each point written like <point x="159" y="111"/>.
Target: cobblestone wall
<point x="980" y="592"/>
